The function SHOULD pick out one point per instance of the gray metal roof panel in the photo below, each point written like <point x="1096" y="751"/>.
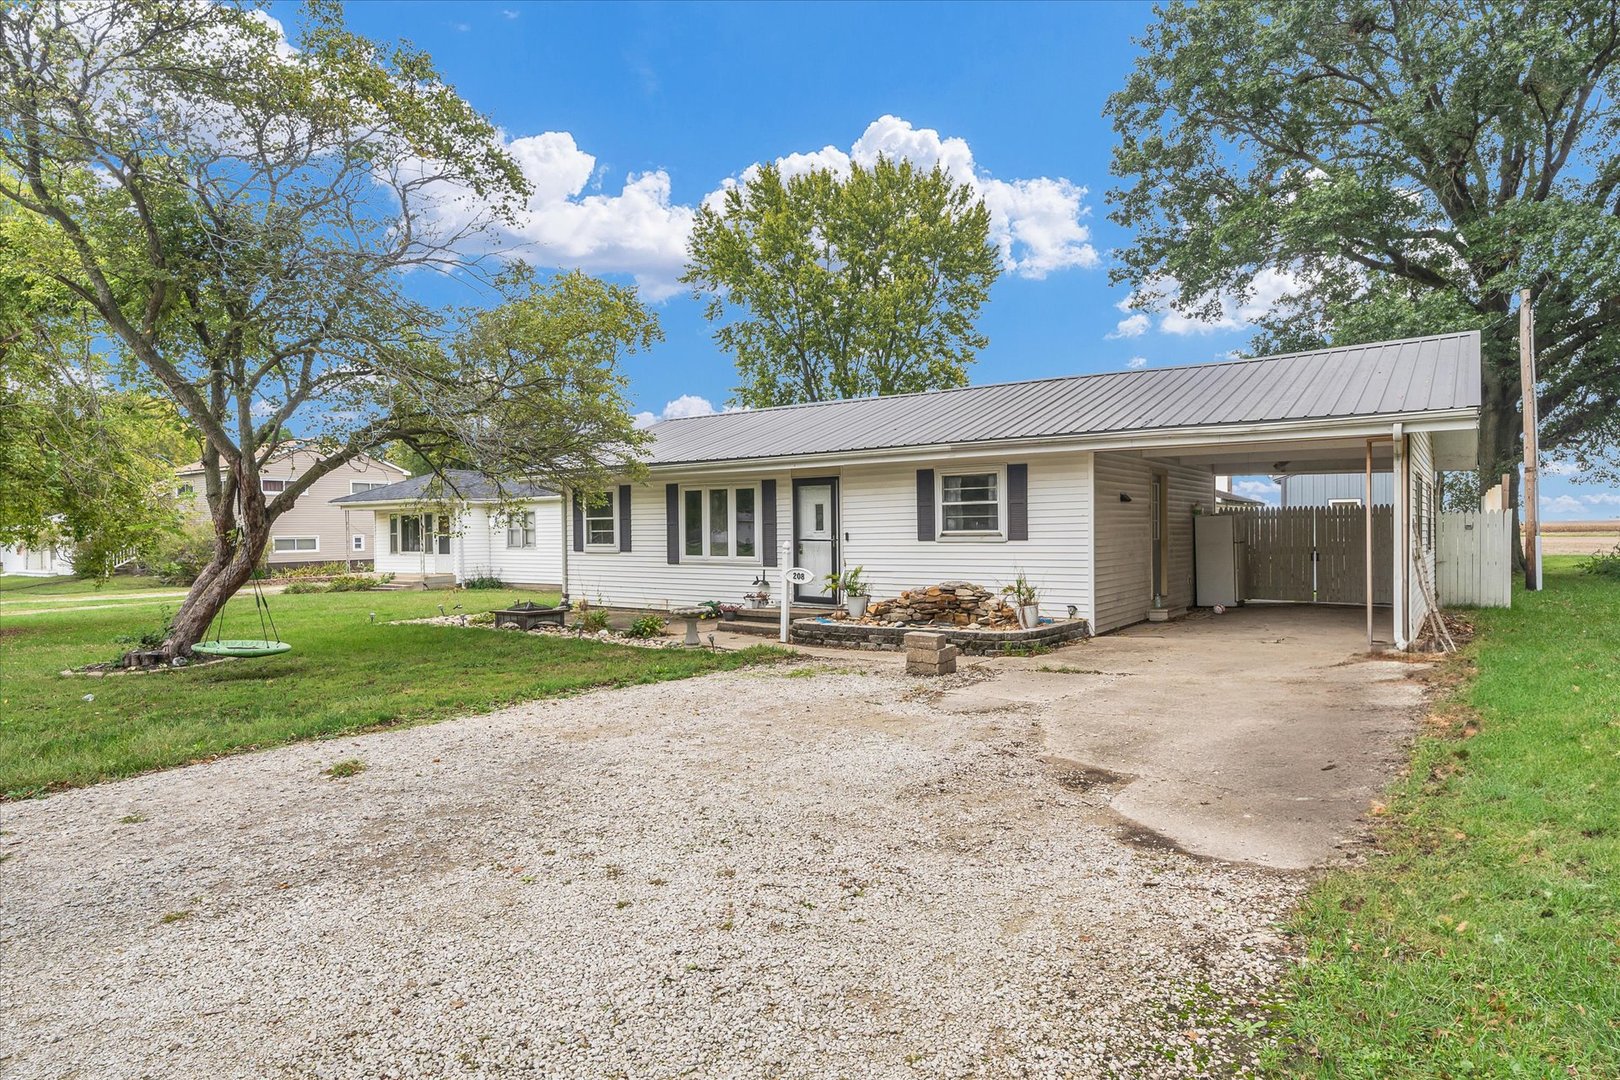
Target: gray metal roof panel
<point x="1382" y="378"/>
<point x="463" y="484"/>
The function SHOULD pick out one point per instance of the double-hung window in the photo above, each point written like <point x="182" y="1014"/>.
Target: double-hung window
<point x="272" y="487"/>
<point x="601" y="522"/>
<point x="520" y="530"/>
<point x="720" y="523"/>
<point x="970" y="504"/>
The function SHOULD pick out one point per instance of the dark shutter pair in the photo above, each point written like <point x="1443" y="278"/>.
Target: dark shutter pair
<point x="624" y="520"/>
<point x="1017" y="504"/>
<point x="767" y="521"/>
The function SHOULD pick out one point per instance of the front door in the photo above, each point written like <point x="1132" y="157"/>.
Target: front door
<point x="436" y="535"/>
<point x="815" y="537"/>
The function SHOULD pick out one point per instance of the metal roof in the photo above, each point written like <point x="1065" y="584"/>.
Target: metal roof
<point x="1388" y="378"/>
<point x="462" y="484"/>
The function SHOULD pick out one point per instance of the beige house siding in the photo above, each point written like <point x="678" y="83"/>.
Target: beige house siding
<point x="313" y="515"/>
<point x="1123" y="539"/>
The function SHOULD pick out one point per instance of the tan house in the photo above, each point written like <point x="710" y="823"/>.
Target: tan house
<point x="313" y="531"/>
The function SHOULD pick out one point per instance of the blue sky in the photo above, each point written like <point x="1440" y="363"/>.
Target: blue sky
<point x="626" y="116"/>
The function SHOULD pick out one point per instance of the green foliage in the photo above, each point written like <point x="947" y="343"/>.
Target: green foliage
<point x="340" y="770"/>
<point x="1022" y="592"/>
<point x="150" y="639"/>
<point x="306" y="571"/>
<point x="179" y="557"/>
<point x="488" y="579"/>
<point x="300" y="588"/>
<point x="1602" y="563"/>
<point x="591" y="620"/>
<point x="233" y="228"/>
<point x="849" y="582"/>
<point x="648" y="626"/>
<point x="830" y="287"/>
<point x="1480" y="942"/>
<point x="1409" y="167"/>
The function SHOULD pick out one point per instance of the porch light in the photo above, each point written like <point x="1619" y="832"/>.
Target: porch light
<point x="1124" y="496"/>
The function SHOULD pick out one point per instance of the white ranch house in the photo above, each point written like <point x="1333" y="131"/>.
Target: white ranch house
<point x="1090" y="485"/>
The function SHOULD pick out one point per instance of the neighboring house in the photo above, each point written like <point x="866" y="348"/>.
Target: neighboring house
<point x="1087" y="484"/>
<point x="36" y="562"/>
<point x="473" y="534"/>
<point x="1336" y="489"/>
<point x="314" y="530"/>
<point x="1226" y="498"/>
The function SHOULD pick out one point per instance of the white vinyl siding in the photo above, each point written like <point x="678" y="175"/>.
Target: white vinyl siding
<point x="1420" y="537"/>
<point x="480" y="536"/>
<point x="1124" y="535"/>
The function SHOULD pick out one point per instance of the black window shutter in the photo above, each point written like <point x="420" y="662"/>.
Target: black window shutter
<point x="767" y="521"/>
<point x="579" y="523"/>
<point x="672" y="519"/>
<point x="624" y="517"/>
<point x="925" y="505"/>
<point x="1018" y="502"/>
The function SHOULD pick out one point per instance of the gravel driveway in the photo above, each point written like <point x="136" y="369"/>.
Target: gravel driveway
<point x="812" y="871"/>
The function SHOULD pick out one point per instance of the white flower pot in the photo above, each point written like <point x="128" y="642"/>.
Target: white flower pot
<point x="1029" y="616"/>
<point x="856" y="606"/>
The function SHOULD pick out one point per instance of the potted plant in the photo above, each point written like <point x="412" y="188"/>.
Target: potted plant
<point x="853" y="588"/>
<point x="728" y="612"/>
<point x="1025" y="599"/>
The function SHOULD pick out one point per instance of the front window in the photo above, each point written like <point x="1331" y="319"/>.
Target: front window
<point x="720" y="523"/>
<point x="286" y="544"/>
<point x="970" y="503"/>
<point x="520" y="530"/>
<point x="404" y="533"/>
<point x="601" y="530"/>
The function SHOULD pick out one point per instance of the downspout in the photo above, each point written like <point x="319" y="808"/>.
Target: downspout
<point x="565" y="500"/>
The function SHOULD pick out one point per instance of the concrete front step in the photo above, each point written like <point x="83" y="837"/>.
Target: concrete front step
<point x="419" y="582"/>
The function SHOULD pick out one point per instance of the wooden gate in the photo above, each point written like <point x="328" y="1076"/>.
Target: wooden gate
<point x="1474" y="558"/>
<point x="1315" y="554"/>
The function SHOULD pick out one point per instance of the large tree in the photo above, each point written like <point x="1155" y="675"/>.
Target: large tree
<point x="1410" y="165"/>
<point x="241" y="214"/>
<point x="831" y="285"/>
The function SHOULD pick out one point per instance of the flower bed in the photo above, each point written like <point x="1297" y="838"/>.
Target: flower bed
<point x="976" y="641"/>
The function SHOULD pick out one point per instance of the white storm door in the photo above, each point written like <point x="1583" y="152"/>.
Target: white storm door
<point x="815" y="539"/>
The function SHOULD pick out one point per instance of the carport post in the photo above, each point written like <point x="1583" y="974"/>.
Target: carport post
<point x="1367" y="523"/>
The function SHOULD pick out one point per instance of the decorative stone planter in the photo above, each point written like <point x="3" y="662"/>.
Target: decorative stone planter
<point x="822" y="631"/>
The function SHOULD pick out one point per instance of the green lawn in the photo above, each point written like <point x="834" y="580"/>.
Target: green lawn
<point x="1484" y="940"/>
<point x="19" y="588"/>
<point x="345" y="674"/>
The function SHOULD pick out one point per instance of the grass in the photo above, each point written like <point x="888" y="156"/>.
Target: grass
<point x="19" y="588"/>
<point x="345" y="674"/>
<point x="1484" y="940"/>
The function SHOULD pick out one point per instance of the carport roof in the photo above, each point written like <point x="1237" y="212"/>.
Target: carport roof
<point x="1433" y="374"/>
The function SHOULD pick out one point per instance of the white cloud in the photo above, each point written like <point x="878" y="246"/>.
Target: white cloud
<point x="1559" y="467"/>
<point x="509" y="13"/>
<point x="1037" y="224"/>
<point x="1266" y="490"/>
<point x="1136" y="362"/>
<point x="1132" y="326"/>
<point x="1602" y="498"/>
<point x="683" y="406"/>
<point x="1563" y="504"/>
<point x="1269" y="288"/>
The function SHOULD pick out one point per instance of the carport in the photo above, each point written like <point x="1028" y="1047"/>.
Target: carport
<point x="1381" y="559"/>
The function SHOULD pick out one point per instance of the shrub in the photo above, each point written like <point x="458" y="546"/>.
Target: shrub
<point x="1603" y="563"/>
<point x="180" y="557"/>
<point x="304" y="571"/>
<point x="298" y="588"/>
<point x="484" y="579"/>
<point x="351" y="583"/>
<point x="591" y="621"/>
<point x="648" y="626"/>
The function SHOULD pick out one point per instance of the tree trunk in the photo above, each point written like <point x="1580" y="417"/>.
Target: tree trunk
<point x="238" y="545"/>
<point x="1500" y="429"/>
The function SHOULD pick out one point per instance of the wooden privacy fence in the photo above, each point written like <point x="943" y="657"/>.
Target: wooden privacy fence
<point x="1474" y="558"/>
<point x="1314" y="553"/>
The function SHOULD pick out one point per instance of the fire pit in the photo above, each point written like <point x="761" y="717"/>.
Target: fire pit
<point x="528" y="615"/>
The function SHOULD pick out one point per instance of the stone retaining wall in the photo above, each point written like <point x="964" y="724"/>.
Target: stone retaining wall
<point x="969" y="642"/>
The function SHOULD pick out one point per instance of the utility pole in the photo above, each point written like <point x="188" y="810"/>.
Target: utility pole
<point x="1527" y="377"/>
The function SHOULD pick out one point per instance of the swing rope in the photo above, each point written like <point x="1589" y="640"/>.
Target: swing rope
<point x="269" y="641"/>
